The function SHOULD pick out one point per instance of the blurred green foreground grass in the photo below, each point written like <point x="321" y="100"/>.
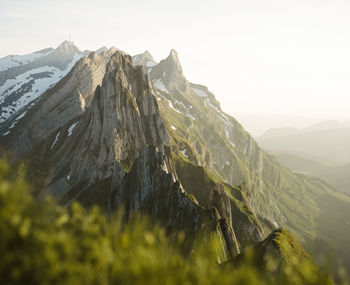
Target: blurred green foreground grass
<point x="44" y="243"/>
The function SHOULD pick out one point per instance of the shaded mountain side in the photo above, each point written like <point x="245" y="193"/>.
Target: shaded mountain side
<point x="281" y="254"/>
<point x="25" y="80"/>
<point x="335" y="175"/>
<point x="231" y="202"/>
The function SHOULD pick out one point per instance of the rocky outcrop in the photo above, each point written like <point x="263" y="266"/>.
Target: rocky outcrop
<point x="230" y="202"/>
<point x="67" y="100"/>
<point x="282" y="255"/>
<point x="152" y="187"/>
<point x="123" y="118"/>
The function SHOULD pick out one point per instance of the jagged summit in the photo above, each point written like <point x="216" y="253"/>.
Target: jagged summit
<point x="168" y="73"/>
<point x="148" y="55"/>
<point x="173" y="59"/>
<point x="68" y="47"/>
<point x="101" y="49"/>
<point x="145" y="59"/>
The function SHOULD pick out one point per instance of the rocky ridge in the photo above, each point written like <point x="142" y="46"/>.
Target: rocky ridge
<point x="113" y="150"/>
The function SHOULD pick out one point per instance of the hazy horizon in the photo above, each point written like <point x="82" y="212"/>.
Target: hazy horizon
<point x="259" y="59"/>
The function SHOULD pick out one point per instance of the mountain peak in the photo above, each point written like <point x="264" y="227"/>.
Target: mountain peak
<point x="101" y="49"/>
<point x="147" y="54"/>
<point x="145" y="59"/>
<point x="173" y="53"/>
<point x="67" y="47"/>
<point x="173" y="59"/>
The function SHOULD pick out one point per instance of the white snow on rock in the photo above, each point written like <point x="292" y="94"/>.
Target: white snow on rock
<point x="212" y="106"/>
<point x="227" y="132"/>
<point x="150" y="64"/>
<point x="57" y="136"/>
<point x="5" y="134"/>
<point x="172" y="107"/>
<point x="184" y="153"/>
<point x="245" y="148"/>
<point x="174" y="128"/>
<point x="11" y="61"/>
<point x="159" y="84"/>
<point x="190" y="116"/>
<point x="275" y="224"/>
<point x="17" y="119"/>
<point x="199" y="92"/>
<point x="39" y="87"/>
<point x="203" y="94"/>
<point x="71" y="128"/>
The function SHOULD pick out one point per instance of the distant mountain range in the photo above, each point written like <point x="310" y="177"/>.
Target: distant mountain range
<point x="325" y="142"/>
<point x="117" y="130"/>
<point x="335" y="175"/>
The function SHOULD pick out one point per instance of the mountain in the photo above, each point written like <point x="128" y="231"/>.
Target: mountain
<point x="97" y="137"/>
<point x="204" y="136"/>
<point x="122" y="131"/>
<point x="335" y="175"/>
<point x="25" y="78"/>
<point x="325" y="142"/>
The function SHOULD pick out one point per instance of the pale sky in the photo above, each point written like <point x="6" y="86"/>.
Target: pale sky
<point x="258" y="57"/>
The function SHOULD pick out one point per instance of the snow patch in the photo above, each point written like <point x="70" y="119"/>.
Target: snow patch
<point x="159" y="84"/>
<point x="172" y="106"/>
<point x="71" y="128"/>
<point x="199" y="92"/>
<point x="11" y="61"/>
<point x="174" y="128"/>
<point x="245" y="148"/>
<point x="58" y="134"/>
<point x="40" y="85"/>
<point x="184" y="153"/>
<point x="150" y="64"/>
<point x="17" y="119"/>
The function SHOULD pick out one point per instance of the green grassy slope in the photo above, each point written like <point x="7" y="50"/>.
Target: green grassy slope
<point x="206" y="136"/>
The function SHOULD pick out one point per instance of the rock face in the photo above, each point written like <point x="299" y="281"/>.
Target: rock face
<point x="98" y="137"/>
<point x="230" y="202"/>
<point x="169" y="73"/>
<point x="152" y="187"/>
<point x="60" y="104"/>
